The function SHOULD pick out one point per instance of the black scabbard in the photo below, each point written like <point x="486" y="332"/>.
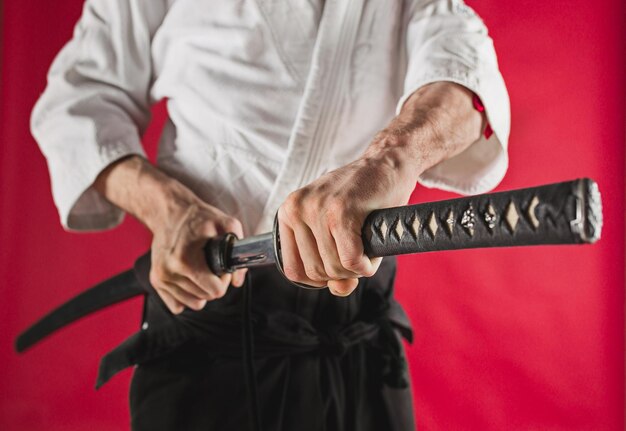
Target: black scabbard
<point x="111" y="291"/>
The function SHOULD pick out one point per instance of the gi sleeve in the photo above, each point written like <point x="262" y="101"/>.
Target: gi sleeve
<point x="447" y="41"/>
<point x="96" y="105"/>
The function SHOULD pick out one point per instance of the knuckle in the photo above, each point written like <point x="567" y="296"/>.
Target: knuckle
<point x="231" y="224"/>
<point x="173" y="264"/>
<point x="355" y="264"/>
<point x="338" y="292"/>
<point x="339" y="219"/>
<point x="214" y="290"/>
<point x="294" y="274"/>
<point x="219" y="293"/>
<point x="352" y="222"/>
<point x="184" y="297"/>
<point x="333" y="221"/>
<point x="314" y="273"/>
<point x="177" y="265"/>
<point x="202" y="293"/>
<point x="334" y="272"/>
<point x="343" y="289"/>
<point x="368" y="272"/>
<point x="292" y="207"/>
<point x="205" y="281"/>
<point x="176" y="308"/>
<point x="207" y="229"/>
<point x="207" y="294"/>
<point x="156" y="277"/>
<point x="335" y="208"/>
<point x="197" y="305"/>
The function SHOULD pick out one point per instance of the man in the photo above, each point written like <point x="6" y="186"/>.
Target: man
<point x="280" y="108"/>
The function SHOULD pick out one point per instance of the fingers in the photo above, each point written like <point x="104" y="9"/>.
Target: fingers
<point x="239" y="277"/>
<point x="309" y="254"/>
<point x="172" y="304"/>
<point x="351" y="253"/>
<point x="191" y="264"/>
<point x="342" y="287"/>
<point x="328" y="250"/>
<point x="180" y="273"/>
<point x="313" y="255"/>
<point x="227" y="225"/>
<point x="178" y="291"/>
<point x="194" y="289"/>
<point x="292" y="262"/>
<point x="184" y="297"/>
<point x="191" y="285"/>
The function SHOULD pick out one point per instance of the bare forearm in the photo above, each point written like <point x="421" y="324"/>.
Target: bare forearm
<point x="320" y="224"/>
<point x="180" y="223"/>
<point x="139" y="188"/>
<point x="437" y="122"/>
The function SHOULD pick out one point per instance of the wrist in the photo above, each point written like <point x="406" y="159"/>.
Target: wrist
<point x="163" y="200"/>
<point x="137" y="187"/>
<point x="395" y="151"/>
<point x="437" y="122"/>
<point x="160" y="199"/>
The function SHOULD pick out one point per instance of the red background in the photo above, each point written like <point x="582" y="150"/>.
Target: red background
<point x="505" y="339"/>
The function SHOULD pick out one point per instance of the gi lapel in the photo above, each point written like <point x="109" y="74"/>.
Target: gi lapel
<point x="293" y="25"/>
<point x="316" y="120"/>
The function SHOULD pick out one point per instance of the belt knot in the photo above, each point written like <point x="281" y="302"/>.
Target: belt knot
<point x="333" y="342"/>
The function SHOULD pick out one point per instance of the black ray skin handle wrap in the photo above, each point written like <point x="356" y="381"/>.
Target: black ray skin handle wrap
<point x="562" y="213"/>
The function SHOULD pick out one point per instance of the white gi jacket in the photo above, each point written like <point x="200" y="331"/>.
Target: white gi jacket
<point x="263" y="96"/>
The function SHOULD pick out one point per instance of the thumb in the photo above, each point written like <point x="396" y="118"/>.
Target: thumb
<point x="343" y="287"/>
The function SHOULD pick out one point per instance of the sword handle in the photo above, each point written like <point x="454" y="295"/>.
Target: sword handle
<point x="217" y="252"/>
<point x="562" y="213"/>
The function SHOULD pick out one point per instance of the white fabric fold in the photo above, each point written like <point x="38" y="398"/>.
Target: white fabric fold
<point x="447" y="41"/>
<point x="263" y="96"/>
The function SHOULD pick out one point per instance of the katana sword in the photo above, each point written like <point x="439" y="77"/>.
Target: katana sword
<point x="562" y="213"/>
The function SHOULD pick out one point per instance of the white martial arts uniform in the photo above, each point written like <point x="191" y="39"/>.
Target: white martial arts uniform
<point x="263" y="96"/>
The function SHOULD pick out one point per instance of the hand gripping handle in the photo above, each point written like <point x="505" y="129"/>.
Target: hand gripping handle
<point x="563" y="213"/>
<point x="217" y="251"/>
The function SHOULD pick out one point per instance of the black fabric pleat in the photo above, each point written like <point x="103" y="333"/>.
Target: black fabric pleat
<point x="248" y="354"/>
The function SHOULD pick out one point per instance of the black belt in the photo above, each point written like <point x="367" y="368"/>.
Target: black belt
<point x="275" y="334"/>
<point x="230" y="330"/>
